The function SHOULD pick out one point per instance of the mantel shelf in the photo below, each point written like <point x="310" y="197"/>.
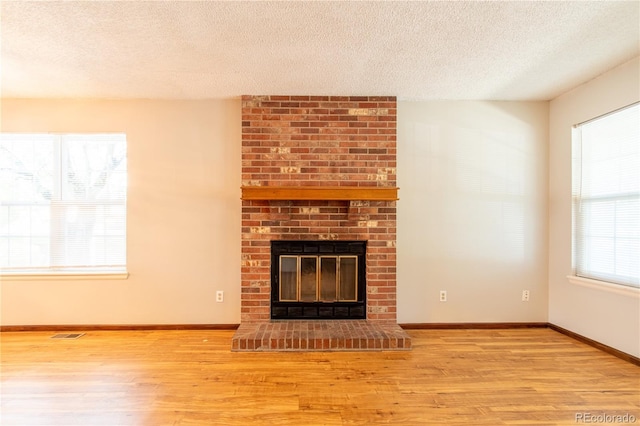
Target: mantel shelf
<point x="294" y="193"/>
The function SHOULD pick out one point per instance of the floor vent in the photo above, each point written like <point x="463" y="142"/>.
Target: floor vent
<point x="67" y="336"/>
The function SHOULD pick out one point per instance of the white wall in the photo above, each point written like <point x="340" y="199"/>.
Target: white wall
<point x="607" y="317"/>
<point x="472" y="215"/>
<point x="183" y="215"/>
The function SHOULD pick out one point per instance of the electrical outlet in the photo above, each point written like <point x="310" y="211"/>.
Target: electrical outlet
<point x="525" y="295"/>
<point x="443" y="295"/>
<point x="219" y="296"/>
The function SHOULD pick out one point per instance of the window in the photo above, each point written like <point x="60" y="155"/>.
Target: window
<point x="63" y="203"/>
<point x="606" y="198"/>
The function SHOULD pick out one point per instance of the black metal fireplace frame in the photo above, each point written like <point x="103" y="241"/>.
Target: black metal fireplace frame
<point x="318" y="310"/>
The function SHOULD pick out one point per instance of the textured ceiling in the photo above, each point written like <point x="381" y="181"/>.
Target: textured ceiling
<point x="516" y="50"/>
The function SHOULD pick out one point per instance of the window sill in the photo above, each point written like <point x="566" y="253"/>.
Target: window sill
<point x="605" y="286"/>
<point x="63" y="276"/>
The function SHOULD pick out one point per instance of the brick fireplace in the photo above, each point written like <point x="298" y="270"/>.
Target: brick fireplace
<point x="319" y="168"/>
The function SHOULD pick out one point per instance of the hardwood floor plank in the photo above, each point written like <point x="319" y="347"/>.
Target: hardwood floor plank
<point x="530" y="376"/>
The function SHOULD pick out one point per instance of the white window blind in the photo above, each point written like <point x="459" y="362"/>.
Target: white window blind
<point x="606" y="197"/>
<point x="63" y="203"/>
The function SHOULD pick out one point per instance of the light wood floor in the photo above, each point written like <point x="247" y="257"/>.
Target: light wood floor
<point x="465" y="377"/>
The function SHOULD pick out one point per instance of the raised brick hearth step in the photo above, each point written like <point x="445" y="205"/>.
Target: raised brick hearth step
<point x="333" y="335"/>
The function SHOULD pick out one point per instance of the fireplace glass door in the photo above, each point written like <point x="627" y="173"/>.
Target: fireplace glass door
<point x="318" y="278"/>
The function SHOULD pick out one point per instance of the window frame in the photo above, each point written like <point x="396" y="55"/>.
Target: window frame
<point x="57" y="202"/>
<point x="596" y="281"/>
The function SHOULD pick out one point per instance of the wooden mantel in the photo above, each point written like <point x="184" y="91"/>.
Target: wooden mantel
<point x="319" y="193"/>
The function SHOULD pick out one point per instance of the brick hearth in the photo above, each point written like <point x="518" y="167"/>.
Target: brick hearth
<point x="319" y="141"/>
<point x="335" y="335"/>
